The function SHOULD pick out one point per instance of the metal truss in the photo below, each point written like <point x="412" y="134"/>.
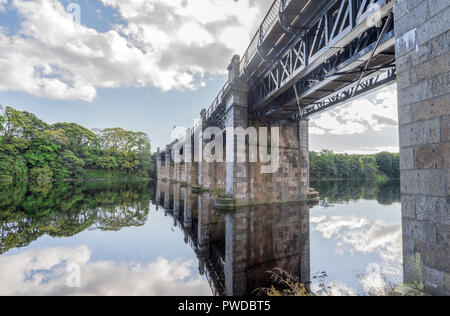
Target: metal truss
<point x="348" y="93"/>
<point x="341" y="32"/>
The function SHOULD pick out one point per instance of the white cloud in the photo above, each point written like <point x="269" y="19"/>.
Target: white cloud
<point x="2" y="4"/>
<point x="331" y="226"/>
<point x="167" y="44"/>
<point x="374" y="112"/>
<point x="43" y="272"/>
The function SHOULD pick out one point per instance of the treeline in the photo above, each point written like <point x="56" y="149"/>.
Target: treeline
<point x="33" y="150"/>
<point x="328" y="165"/>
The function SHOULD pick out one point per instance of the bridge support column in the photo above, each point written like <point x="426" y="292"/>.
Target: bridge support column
<point x="204" y="225"/>
<point x="158" y="192"/>
<point x="422" y="49"/>
<point x="167" y="195"/>
<point x="158" y="165"/>
<point x="187" y="208"/>
<point x="176" y="199"/>
<point x="167" y="165"/>
<point x="236" y="179"/>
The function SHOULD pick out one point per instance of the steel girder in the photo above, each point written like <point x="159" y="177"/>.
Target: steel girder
<point x="345" y="29"/>
<point x="373" y="81"/>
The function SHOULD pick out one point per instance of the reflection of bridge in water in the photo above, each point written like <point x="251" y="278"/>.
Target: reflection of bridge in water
<point x="236" y="249"/>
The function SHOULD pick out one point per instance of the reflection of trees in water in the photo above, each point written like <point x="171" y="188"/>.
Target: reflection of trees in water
<point x="64" y="210"/>
<point x="345" y="191"/>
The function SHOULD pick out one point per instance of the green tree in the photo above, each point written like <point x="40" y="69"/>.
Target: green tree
<point x="81" y="141"/>
<point x="107" y="162"/>
<point x="41" y="152"/>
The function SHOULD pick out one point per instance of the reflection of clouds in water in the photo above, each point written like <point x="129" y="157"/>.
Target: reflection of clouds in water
<point x="359" y="235"/>
<point x="335" y="289"/>
<point x="43" y="272"/>
<point x="331" y="226"/>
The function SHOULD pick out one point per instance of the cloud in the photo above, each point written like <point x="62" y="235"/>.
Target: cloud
<point x="168" y="44"/>
<point x="2" y="4"/>
<point x="358" y="235"/>
<point x="374" y="112"/>
<point x="362" y="235"/>
<point x="44" y="272"/>
<point x="334" y="289"/>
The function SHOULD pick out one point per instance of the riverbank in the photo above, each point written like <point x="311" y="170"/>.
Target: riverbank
<point x="379" y="179"/>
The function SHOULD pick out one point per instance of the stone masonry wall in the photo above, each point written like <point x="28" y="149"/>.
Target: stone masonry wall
<point x="291" y="181"/>
<point x="423" y="81"/>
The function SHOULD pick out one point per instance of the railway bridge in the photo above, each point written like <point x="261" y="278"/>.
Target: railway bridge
<point x="307" y="57"/>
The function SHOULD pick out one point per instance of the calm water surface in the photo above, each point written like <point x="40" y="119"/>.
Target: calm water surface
<point x="162" y="239"/>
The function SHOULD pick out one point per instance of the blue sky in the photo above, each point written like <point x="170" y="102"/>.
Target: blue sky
<point x="151" y="65"/>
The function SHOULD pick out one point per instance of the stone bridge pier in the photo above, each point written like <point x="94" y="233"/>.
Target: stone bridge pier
<point x="248" y="178"/>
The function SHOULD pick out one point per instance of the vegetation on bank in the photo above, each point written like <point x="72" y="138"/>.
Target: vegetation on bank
<point x="32" y="150"/>
<point x="327" y="165"/>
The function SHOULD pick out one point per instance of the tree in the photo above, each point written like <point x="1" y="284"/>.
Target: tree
<point x="82" y="142"/>
<point x="68" y="166"/>
<point x="131" y="150"/>
<point x="107" y="162"/>
<point x="389" y="164"/>
<point x="31" y="147"/>
<point x="20" y="124"/>
<point x="41" y="152"/>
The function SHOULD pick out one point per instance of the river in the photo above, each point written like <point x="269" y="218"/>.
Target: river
<point x="161" y="239"/>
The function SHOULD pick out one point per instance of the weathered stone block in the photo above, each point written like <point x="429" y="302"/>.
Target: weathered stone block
<point x="443" y="237"/>
<point x="414" y="93"/>
<point x="420" y="133"/>
<point x="419" y="230"/>
<point x="433" y="256"/>
<point x="436" y="6"/>
<point x="408" y="206"/>
<point x="433" y="27"/>
<point x="412" y="18"/>
<point x="430" y="109"/>
<point x="424" y="182"/>
<point x="402" y="7"/>
<point x="441" y="84"/>
<point x="430" y="156"/>
<point x="441" y="44"/>
<point x="432" y="209"/>
<point x="427" y="70"/>
<point x="407" y="159"/>
<point x="433" y="281"/>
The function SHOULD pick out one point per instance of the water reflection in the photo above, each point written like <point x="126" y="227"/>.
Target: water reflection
<point x="29" y="212"/>
<point x="178" y="244"/>
<point x="356" y="234"/>
<point x="236" y="249"/>
<point x="111" y="232"/>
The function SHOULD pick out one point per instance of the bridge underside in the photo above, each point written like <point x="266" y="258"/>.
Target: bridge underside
<point x="345" y="50"/>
